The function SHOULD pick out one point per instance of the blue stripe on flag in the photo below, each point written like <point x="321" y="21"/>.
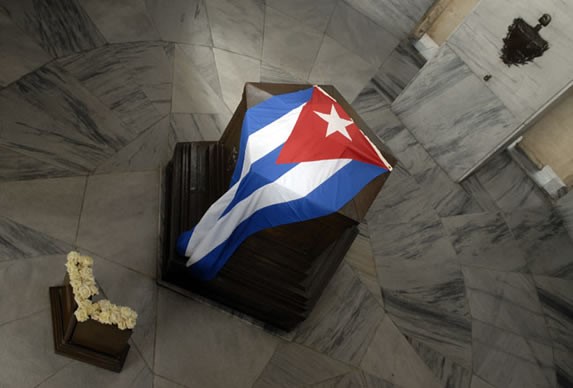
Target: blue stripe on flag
<point x="331" y="196"/>
<point x="264" y="113"/>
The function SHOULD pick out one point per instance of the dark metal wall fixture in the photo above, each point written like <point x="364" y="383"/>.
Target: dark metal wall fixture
<point x="523" y="42"/>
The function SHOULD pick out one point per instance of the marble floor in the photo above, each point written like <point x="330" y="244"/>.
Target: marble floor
<point x="447" y="285"/>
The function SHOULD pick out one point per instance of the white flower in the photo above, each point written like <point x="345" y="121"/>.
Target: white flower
<point x="81" y="315"/>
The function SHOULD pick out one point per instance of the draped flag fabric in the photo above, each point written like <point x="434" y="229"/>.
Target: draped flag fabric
<point x="301" y="157"/>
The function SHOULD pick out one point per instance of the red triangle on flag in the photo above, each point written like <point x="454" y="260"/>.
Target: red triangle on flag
<point x="325" y="131"/>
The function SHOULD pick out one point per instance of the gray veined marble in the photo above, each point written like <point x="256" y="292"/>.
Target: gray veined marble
<point x="523" y="89"/>
<point x="360" y="35"/>
<point x="121" y="20"/>
<point x="484" y="240"/>
<point x="548" y="247"/>
<point x="102" y="72"/>
<point x="237" y="25"/>
<point x="340" y="67"/>
<point x="50" y="206"/>
<point x="197" y="127"/>
<point x="20" y="53"/>
<point x="20" y="242"/>
<point x="315" y="14"/>
<point x="397" y="16"/>
<point x="119" y="219"/>
<point x="151" y="65"/>
<point x="344" y="319"/>
<point x="471" y="122"/>
<point x="234" y="71"/>
<point x="564" y="207"/>
<point x="293" y="365"/>
<point x="398" y="69"/>
<point x="16" y="166"/>
<point x="556" y="297"/>
<point x="508" y="185"/>
<point x="203" y="59"/>
<point x="275" y="74"/>
<point x="504" y="359"/>
<point x="181" y="20"/>
<point x="506" y="300"/>
<point x="289" y="45"/>
<point x="355" y="379"/>
<point x="190" y="331"/>
<point x="61" y="27"/>
<point x="370" y="101"/>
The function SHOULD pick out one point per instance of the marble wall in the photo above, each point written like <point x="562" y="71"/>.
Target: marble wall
<point x="460" y="118"/>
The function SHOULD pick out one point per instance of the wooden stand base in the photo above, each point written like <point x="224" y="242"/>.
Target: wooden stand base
<point x="70" y="349"/>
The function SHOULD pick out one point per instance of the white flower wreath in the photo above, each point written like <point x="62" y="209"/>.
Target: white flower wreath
<point x="84" y="287"/>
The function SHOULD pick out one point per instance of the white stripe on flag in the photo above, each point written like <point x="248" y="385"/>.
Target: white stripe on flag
<point x="258" y="145"/>
<point x="295" y="184"/>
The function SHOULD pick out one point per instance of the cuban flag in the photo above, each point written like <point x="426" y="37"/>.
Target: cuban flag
<point x="301" y="157"/>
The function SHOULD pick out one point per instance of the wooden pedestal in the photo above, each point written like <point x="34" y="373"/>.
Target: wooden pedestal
<point x="92" y="342"/>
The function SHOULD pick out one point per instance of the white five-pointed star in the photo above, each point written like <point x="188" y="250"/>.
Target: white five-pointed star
<point x="335" y="123"/>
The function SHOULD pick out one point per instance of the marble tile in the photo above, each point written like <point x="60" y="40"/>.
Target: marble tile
<point x="360" y="258"/>
<point x="340" y="67"/>
<point x="398" y="69"/>
<point x="27" y="351"/>
<point x="50" y="206"/>
<point x="45" y="124"/>
<point x="383" y="122"/>
<point x="484" y="240"/>
<point x="78" y="374"/>
<point x="119" y="219"/>
<point x="344" y="319"/>
<point x="400" y="201"/>
<point x="19" y="242"/>
<point x="192" y="92"/>
<point x="471" y="122"/>
<point x="370" y="101"/>
<point x="277" y="75"/>
<point x="121" y="21"/>
<point x="181" y="20"/>
<point x="314" y="14"/>
<point x="508" y="185"/>
<point x="16" y="166"/>
<point x="237" y="25"/>
<point x="473" y="186"/>
<point x="129" y="288"/>
<point x="547" y="245"/>
<point x="160" y="382"/>
<point x="506" y="300"/>
<point x="480" y="383"/>
<point x="152" y="68"/>
<point x="54" y="91"/>
<point x="360" y="34"/>
<point x="293" y="365"/>
<point x="397" y="16"/>
<point x="150" y="151"/>
<point x="391" y="357"/>
<point x="564" y="207"/>
<point x="563" y="368"/>
<point x="24" y="284"/>
<point x="556" y="297"/>
<point x="289" y="45"/>
<point x="61" y="27"/>
<point x="523" y="89"/>
<point x="196" y="127"/>
<point x="449" y="373"/>
<point x="356" y="379"/>
<point x="196" y="334"/>
<point x="203" y="59"/>
<point x="234" y="71"/>
<point x="504" y="359"/>
<point x="102" y="72"/>
<point x="20" y="53"/>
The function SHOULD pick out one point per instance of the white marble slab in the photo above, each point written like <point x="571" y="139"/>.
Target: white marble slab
<point x="396" y="16"/>
<point x="234" y="71"/>
<point x="275" y="74"/>
<point x="314" y="14"/>
<point x="121" y="20"/>
<point x="340" y="67"/>
<point x="289" y="45"/>
<point x="15" y="166"/>
<point x="360" y="34"/>
<point x="523" y="89"/>
<point x="453" y="115"/>
<point x="203" y="59"/>
<point x="20" y="53"/>
<point x="237" y="25"/>
<point x="196" y="127"/>
<point x="182" y="21"/>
